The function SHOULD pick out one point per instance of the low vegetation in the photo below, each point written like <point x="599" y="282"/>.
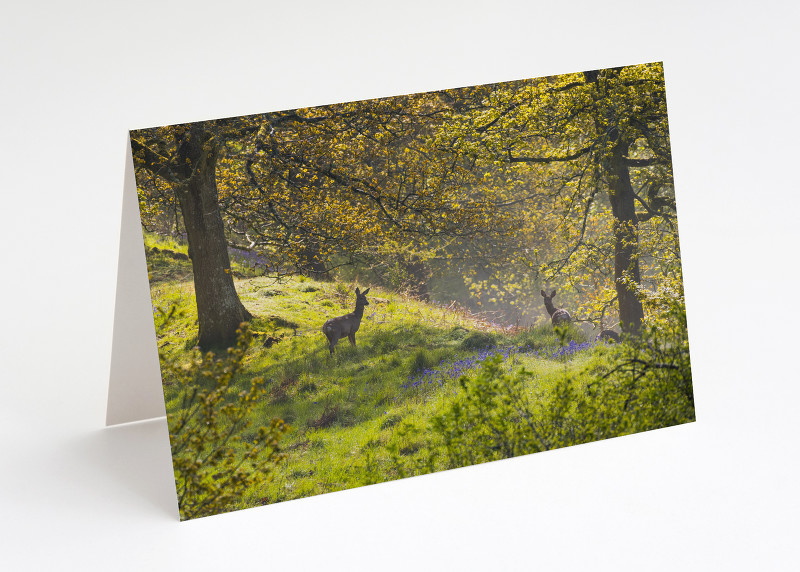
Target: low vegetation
<point x="426" y="388"/>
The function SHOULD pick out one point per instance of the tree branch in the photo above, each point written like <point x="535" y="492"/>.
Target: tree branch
<point x="154" y="162"/>
<point x="642" y="162"/>
<point x="572" y="157"/>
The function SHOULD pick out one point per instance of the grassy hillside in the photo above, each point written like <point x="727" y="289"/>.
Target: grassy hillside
<point x="365" y="414"/>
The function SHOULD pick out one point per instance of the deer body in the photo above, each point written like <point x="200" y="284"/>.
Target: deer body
<point x="347" y="325"/>
<point x="608" y="336"/>
<point x="557" y="315"/>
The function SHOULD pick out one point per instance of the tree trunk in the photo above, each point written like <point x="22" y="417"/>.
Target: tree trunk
<point x="310" y="263"/>
<point x="626" y="252"/>
<point x="219" y="310"/>
<point x="418" y="275"/>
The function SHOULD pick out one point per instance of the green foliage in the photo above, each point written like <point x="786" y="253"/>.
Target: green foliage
<point x="487" y="422"/>
<point x="423" y="360"/>
<point x="356" y="418"/>
<point x="214" y="459"/>
<point x="479" y="340"/>
<point x="640" y="385"/>
<point x="386" y="341"/>
<point x="167" y="259"/>
<point x="545" y="335"/>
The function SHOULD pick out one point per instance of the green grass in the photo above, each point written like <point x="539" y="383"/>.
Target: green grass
<point x="353" y="414"/>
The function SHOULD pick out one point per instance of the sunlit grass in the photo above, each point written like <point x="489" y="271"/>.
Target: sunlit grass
<point x="344" y="409"/>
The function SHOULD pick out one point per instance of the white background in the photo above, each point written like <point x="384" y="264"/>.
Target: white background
<point x="718" y="494"/>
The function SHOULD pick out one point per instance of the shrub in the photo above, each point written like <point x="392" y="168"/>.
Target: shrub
<point x="485" y="424"/>
<point x="642" y="384"/>
<point x="214" y="462"/>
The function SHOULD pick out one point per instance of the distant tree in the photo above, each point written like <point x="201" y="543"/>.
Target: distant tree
<point x="583" y="137"/>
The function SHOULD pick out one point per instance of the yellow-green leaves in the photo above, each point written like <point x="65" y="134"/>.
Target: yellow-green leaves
<point x="211" y="474"/>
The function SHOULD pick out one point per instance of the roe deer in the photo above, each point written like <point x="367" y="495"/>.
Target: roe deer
<point x="558" y="315"/>
<point x="347" y="325"/>
<point x="607" y="336"/>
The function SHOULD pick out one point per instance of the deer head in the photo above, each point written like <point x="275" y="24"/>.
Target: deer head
<point x="361" y="299"/>
<point x="548" y="301"/>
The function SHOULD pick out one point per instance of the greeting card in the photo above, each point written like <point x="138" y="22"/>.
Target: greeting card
<point x="349" y="294"/>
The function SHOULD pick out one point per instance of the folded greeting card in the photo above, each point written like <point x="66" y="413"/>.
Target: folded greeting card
<point x="360" y="292"/>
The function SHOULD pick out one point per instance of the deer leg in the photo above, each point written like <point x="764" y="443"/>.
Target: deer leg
<point x="352" y="338"/>
<point x="331" y="342"/>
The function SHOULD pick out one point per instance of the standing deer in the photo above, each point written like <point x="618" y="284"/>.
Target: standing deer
<point x="347" y="325"/>
<point x="558" y="315"/>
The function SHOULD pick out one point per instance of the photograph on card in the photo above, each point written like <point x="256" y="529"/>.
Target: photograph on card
<point x="360" y="292"/>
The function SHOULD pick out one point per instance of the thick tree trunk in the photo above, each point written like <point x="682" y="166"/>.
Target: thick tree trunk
<point x="219" y="310"/>
<point x="418" y="275"/>
<point x="626" y="251"/>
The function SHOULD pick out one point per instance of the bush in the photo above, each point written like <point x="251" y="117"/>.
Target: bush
<point x="213" y="460"/>
<point x="486" y="423"/>
<point x="642" y="384"/>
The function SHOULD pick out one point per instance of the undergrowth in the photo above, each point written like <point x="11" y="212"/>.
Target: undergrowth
<point x="425" y="388"/>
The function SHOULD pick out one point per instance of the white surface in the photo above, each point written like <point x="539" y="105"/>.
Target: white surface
<point x="134" y="389"/>
<point x="719" y="494"/>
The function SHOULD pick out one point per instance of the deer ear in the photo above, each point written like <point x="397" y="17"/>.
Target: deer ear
<point x="553" y="294"/>
<point x="364" y="293"/>
<point x="357" y="292"/>
<point x="543" y="294"/>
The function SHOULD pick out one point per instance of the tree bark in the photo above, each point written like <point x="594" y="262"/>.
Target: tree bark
<point x="418" y="276"/>
<point x="310" y="262"/>
<point x="626" y="251"/>
<point x="219" y="310"/>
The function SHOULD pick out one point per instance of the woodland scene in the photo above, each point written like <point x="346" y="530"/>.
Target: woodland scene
<point x="359" y="292"/>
